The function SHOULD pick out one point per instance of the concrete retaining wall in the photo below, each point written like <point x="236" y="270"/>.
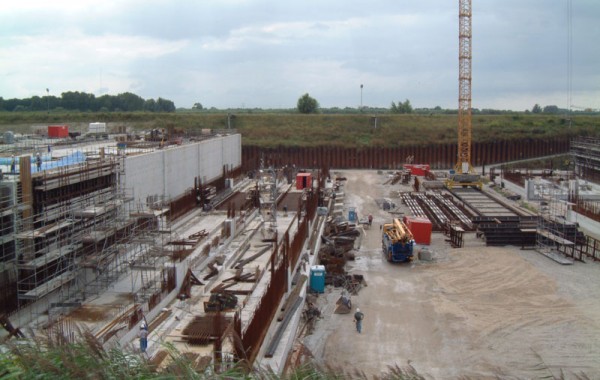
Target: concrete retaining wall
<point x="171" y="171"/>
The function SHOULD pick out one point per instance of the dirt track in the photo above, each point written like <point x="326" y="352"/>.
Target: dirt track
<point x="476" y="312"/>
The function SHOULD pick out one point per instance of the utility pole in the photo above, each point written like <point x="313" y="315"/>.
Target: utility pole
<point x="48" y="100"/>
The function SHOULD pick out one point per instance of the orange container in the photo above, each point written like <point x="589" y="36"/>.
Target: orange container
<point x="303" y="180"/>
<point x="58" y="131"/>
<point x="420" y="228"/>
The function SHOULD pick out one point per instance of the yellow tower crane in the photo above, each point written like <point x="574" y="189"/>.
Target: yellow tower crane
<point x="464" y="174"/>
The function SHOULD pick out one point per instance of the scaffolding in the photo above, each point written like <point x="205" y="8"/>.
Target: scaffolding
<point x="8" y="270"/>
<point x="586" y="155"/>
<point x="147" y="253"/>
<point x="67" y="220"/>
<point x="554" y="233"/>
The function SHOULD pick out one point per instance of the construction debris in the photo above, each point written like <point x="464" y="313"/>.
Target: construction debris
<point x="344" y="304"/>
<point x="338" y="243"/>
<point x="186" y="286"/>
<point x="8" y="326"/>
<point x="221" y="302"/>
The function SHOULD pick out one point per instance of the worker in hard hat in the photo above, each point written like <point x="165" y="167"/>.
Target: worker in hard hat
<point x="358" y="318"/>
<point x="143" y="337"/>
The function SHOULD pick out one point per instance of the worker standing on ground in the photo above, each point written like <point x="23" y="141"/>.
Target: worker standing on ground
<point x="358" y="318"/>
<point x="13" y="164"/>
<point x="370" y="220"/>
<point x="143" y="337"/>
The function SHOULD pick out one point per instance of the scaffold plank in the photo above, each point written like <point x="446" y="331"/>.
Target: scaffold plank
<point x="50" y="256"/>
<point x="48" y="286"/>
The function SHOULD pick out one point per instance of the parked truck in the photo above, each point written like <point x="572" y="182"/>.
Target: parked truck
<point x="397" y="242"/>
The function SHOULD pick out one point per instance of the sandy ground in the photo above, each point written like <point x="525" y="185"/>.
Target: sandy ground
<point x="476" y="312"/>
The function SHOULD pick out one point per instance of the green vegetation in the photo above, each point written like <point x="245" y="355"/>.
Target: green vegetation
<point x="402" y="107"/>
<point x="307" y="104"/>
<point x="53" y="358"/>
<point x="81" y="101"/>
<point x="310" y="130"/>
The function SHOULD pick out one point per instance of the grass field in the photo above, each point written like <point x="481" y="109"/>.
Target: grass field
<point x="278" y="129"/>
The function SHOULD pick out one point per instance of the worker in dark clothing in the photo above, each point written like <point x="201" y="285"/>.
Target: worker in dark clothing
<point x="38" y="161"/>
<point x="13" y="164"/>
<point x="358" y="318"/>
<point x="370" y="220"/>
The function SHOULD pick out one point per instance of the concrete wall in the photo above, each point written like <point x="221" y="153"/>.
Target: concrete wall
<point x="589" y="226"/>
<point x="170" y="172"/>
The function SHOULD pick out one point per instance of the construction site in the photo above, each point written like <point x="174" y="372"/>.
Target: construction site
<point x="482" y="268"/>
<point x="265" y="266"/>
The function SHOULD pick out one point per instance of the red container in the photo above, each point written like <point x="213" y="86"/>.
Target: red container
<point x="303" y="180"/>
<point x="417" y="169"/>
<point x="58" y="131"/>
<point x="420" y="228"/>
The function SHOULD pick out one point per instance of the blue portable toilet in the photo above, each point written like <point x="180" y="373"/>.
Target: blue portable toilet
<point x="352" y="214"/>
<point x="317" y="278"/>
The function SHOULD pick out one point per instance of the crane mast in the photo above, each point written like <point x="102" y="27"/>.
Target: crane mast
<point x="464" y="173"/>
<point x="464" y="88"/>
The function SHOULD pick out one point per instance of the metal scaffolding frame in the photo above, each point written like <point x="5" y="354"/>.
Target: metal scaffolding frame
<point x="65" y="229"/>
<point x="147" y="248"/>
<point x="56" y="212"/>
<point x="554" y="232"/>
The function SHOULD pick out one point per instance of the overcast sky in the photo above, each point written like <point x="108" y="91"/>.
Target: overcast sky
<point x="267" y="53"/>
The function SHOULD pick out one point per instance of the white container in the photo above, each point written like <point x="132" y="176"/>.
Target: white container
<point x="97" y="128"/>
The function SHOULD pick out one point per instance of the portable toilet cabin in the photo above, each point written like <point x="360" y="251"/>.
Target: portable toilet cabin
<point x="317" y="278"/>
<point x="352" y="215"/>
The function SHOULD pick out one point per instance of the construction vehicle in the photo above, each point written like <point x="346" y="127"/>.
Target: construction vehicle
<point x="397" y="242"/>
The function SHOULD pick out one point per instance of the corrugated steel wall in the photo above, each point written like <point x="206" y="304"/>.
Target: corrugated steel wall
<point x="439" y="156"/>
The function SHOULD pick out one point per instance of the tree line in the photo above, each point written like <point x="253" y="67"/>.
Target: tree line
<point x="84" y="102"/>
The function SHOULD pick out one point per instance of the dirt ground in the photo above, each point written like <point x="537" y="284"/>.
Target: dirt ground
<point x="476" y="312"/>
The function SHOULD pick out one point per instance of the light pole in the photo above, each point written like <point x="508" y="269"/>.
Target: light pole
<point x="48" y="100"/>
<point x="361" y="87"/>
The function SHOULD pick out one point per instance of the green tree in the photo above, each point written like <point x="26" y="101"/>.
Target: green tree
<point x="165" y="105"/>
<point x="197" y="106"/>
<point x="129" y="102"/>
<point x="150" y="105"/>
<point x="536" y="109"/>
<point x="551" y="109"/>
<point x="402" y="107"/>
<point x="307" y="104"/>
